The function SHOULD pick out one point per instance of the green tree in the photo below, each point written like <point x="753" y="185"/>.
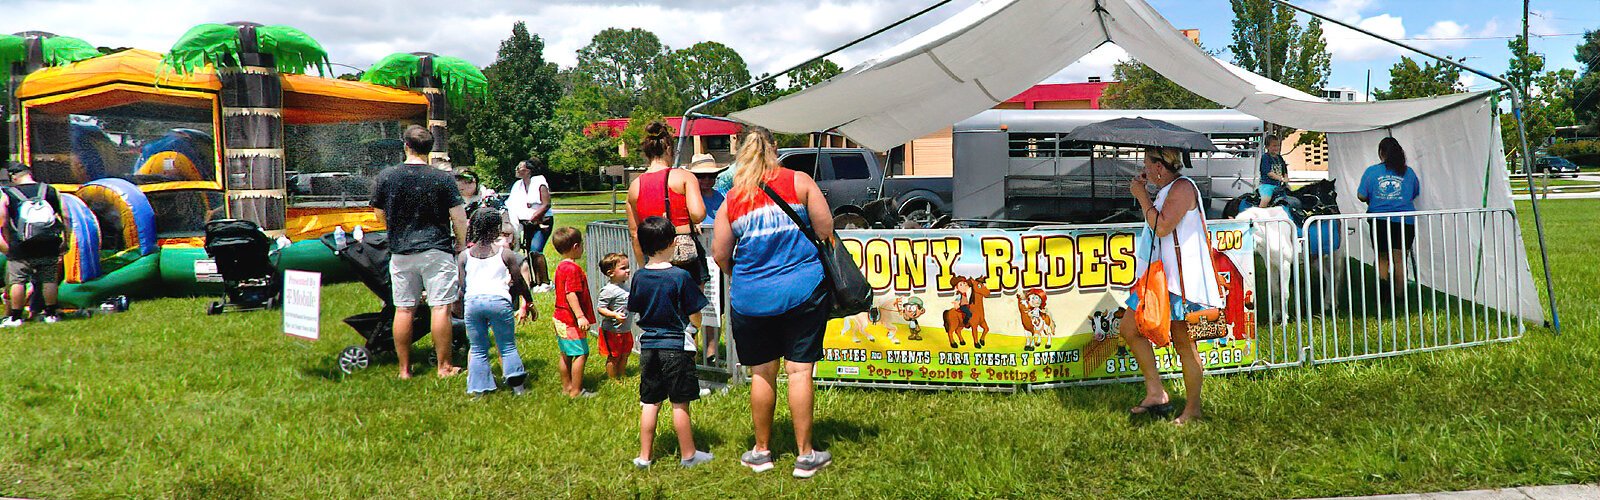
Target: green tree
<point x="1268" y="41"/>
<point x="619" y="61"/>
<point x="695" y="74"/>
<point x="1586" y="89"/>
<point x="583" y="149"/>
<point x="1137" y="86"/>
<point x="812" y="74"/>
<point x="515" y="120"/>
<point x="1547" y="104"/>
<point x="1409" y="80"/>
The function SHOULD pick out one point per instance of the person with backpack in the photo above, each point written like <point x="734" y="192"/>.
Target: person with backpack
<point x="33" y="228"/>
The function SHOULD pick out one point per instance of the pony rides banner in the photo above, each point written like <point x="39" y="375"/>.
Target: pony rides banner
<point x="994" y="307"/>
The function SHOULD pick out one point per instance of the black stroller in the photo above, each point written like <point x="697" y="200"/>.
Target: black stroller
<point x="369" y="258"/>
<point x="245" y="259"/>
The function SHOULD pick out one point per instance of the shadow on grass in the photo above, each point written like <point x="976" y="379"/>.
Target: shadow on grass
<point x="824" y="433"/>
<point x="666" y="443"/>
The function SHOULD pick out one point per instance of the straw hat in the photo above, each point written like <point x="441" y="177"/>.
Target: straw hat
<point x="704" y="163"/>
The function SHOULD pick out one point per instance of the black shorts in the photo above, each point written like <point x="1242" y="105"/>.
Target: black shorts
<point x="794" y="335"/>
<point x="667" y="374"/>
<point x="1393" y="235"/>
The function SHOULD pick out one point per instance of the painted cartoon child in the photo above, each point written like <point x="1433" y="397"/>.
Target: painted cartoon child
<point x="964" y="299"/>
<point x="911" y="308"/>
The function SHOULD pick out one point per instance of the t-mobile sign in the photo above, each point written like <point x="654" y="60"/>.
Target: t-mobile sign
<point x="302" y="303"/>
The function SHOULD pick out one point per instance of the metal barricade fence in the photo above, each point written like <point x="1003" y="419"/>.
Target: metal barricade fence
<point x="1318" y="298"/>
<point x="1446" y="292"/>
<point x="605" y="237"/>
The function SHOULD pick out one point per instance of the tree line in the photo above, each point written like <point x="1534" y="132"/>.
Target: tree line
<point x="534" y="107"/>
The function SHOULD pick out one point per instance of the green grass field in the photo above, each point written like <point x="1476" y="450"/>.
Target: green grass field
<point x="163" y="401"/>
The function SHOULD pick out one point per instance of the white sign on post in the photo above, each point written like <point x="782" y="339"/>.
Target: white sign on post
<point x="302" y="303"/>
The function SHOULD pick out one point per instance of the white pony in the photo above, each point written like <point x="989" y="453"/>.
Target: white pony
<point x="1274" y="240"/>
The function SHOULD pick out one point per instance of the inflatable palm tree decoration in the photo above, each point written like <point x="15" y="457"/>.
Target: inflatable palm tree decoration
<point x="25" y="53"/>
<point x="248" y="59"/>
<point x="292" y="50"/>
<point x="442" y="79"/>
<point x="55" y="50"/>
<point x="457" y="77"/>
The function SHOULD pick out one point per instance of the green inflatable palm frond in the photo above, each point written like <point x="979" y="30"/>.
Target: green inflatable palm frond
<point x="458" y="77"/>
<point x="58" y="51"/>
<point x="64" y="50"/>
<point x="218" y="44"/>
<point x="12" y="50"/>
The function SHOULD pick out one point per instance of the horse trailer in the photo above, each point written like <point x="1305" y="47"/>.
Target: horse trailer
<point x="1013" y="165"/>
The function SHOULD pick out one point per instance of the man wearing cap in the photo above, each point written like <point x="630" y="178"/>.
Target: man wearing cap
<point x="33" y="226"/>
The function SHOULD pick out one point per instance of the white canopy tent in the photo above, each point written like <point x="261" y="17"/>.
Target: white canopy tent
<point x="998" y="48"/>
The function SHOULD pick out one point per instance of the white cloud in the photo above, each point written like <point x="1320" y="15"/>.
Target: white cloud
<point x="1348" y="45"/>
<point x="1097" y="62"/>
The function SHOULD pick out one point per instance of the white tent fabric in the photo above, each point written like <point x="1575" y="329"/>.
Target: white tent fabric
<point x="998" y="48"/>
<point x="1461" y="255"/>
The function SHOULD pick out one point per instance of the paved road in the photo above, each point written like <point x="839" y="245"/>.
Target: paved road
<point x="1575" y="491"/>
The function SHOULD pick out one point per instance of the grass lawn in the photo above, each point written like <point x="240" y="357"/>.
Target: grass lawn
<point x="163" y="401"/>
<point x="588" y="201"/>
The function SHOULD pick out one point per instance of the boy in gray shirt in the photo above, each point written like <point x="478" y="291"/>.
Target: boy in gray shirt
<point x="616" y="339"/>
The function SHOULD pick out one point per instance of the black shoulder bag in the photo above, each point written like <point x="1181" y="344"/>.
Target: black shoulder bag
<point x="848" y="287"/>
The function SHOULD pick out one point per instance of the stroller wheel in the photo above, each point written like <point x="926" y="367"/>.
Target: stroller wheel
<point x="214" y="309"/>
<point x="354" y="358"/>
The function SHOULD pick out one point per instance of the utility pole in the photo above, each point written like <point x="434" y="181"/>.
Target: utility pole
<point x="1369" y="85"/>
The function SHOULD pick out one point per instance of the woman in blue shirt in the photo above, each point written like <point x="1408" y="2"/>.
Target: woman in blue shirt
<point x="1391" y="186"/>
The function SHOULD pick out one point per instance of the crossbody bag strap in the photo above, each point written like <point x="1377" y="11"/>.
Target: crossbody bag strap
<point x="804" y="226"/>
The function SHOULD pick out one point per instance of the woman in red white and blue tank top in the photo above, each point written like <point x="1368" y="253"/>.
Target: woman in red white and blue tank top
<point x="779" y="300"/>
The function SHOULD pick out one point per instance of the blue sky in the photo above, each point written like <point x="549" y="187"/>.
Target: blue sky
<point x="1475" y="29"/>
<point x="774" y="34"/>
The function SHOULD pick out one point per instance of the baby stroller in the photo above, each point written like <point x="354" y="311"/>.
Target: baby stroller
<point x="369" y="258"/>
<point x="245" y="258"/>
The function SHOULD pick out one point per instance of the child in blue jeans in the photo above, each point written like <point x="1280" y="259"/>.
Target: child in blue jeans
<point x="491" y="273"/>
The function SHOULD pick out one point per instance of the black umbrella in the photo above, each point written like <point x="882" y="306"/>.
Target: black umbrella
<point x="1142" y="132"/>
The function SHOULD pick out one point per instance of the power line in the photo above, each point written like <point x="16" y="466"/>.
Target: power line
<point x="1453" y="38"/>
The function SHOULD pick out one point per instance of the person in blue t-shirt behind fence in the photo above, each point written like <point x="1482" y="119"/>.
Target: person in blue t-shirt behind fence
<point x="1391" y="186"/>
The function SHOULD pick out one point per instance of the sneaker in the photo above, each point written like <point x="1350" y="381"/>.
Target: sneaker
<point x="518" y="390"/>
<point x="758" y="461"/>
<point x="52" y="318"/>
<point x="543" y="288"/>
<point x="11" y="322"/>
<point x="588" y="394"/>
<point x="806" y="466"/>
<point x="699" y="457"/>
<point x="640" y="463"/>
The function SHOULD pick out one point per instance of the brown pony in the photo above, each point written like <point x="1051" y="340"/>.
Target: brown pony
<point x="954" y="322"/>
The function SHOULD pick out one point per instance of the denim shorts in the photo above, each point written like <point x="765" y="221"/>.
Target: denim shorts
<point x="1180" y="308"/>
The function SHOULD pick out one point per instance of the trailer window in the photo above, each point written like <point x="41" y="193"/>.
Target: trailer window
<point x="1045" y="145"/>
<point x="1233" y="146"/>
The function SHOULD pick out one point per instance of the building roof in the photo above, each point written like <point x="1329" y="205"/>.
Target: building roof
<point x="699" y="127"/>
<point x="1062" y="92"/>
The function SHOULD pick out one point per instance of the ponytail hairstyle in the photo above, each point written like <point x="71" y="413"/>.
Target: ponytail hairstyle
<point x="1393" y="155"/>
<point x="485" y="226"/>
<point x="657" y="143"/>
<point x="1172" y="158"/>
<point x="758" y="163"/>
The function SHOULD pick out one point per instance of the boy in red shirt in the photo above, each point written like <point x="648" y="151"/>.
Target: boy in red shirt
<point x="574" y="311"/>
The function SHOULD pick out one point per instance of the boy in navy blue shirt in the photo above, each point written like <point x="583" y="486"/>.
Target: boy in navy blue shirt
<point x="662" y="298"/>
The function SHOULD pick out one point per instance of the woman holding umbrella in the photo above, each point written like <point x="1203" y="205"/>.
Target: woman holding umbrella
<point x="1175" y="223"/>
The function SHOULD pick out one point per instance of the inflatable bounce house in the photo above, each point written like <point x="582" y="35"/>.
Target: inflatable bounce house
<point x="147" y="147"/>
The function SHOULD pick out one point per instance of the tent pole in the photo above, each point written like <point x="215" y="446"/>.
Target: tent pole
<point x="1522" y="132"/>
<point x="682" y="132"/>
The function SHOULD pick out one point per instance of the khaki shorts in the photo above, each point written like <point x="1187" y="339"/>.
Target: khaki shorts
<point x="24" y="271"/>
<point x="433" y="270"/>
